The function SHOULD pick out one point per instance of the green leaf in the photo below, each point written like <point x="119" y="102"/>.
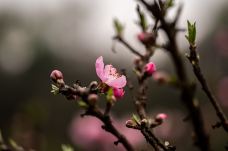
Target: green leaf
<point x="142" y="19"/>
<point x="191" y="37"/>
<point x="136" y="119"/>
<point x="169" y="3"/>
<point x="55" y="89"/>
<point x="82" y="104"/>
<point x="66" y="147"/>
<point x="118" y="27"/>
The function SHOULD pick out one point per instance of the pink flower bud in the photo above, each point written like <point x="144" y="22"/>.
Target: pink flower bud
<point x="129" y="123"/>
<point x="56" y="75"/>
<point x="146" y="38"/>
<point x="150" y="68"/>
<point x="141" y="36"/>
<point x="161" y="77"/>
<point x="118" y="93"/>
<point x="92" y="98"/>
<point x="161" y="116"/>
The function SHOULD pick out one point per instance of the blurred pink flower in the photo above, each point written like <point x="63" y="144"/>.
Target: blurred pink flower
<point x="161" y="77"/>
<point x="87" y="133"/>
<point x="221" y="39"/>
<point x="150" y="68"/>
<point x="118" y="93"/>
<point x="86" y="130"/>
<point x="109" y="75"/>
<point x="222" y="91"/>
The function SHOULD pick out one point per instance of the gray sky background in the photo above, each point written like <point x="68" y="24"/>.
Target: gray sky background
<point x="68" y="25"/>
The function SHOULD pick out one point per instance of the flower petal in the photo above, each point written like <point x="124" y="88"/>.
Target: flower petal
<point x="107" y="70"/>
<point x="100" y="68"/>
<point x="118" y="82"/>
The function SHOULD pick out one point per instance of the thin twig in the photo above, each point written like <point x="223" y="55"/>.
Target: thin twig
<point x="194" y="60"/>
<point x="134" y="51"/>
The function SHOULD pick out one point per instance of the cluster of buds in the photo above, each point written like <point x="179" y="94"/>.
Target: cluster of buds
<point x="111" y="85"/>
<point x="136" y="123"/>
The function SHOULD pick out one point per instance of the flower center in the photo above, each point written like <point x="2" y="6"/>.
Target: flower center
<point x="113" y="72"/>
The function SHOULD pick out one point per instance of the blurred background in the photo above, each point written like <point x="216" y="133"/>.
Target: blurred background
<point x="37" y="36"/>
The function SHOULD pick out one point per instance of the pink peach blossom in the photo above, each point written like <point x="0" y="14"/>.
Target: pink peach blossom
<point x="118" y="93"/>
<point x="150" y="68"/>
<point x="109" y="75"/>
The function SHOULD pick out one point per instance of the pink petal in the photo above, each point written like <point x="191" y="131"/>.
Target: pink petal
<point x="118" y="82"/>
<point x="107" y="70"/>
<point x="100" y="68"/>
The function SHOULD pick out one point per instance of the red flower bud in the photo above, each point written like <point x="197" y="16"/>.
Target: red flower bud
<point x="146" y="38"/>
<point x="118" y="93"/>
<point x="150" y="68"/>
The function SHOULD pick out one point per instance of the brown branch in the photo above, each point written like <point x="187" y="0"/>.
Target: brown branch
<point x="109" y="127"/>
<point x="187" y="93"/>
<point x="134" y="51"/>
<point x="194" y="60"/>
<point x="93" y="110"/>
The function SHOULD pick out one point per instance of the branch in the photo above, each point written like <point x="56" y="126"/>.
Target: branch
<point x="109" y="127"/>
<point x="194" y="60"/>
<point x="93" y="110"/>
<point x="187" y="93"/>
<point x="134" y="51"/>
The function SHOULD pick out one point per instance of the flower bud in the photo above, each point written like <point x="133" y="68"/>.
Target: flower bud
<point x="150" y="68"/>
<point x="161" y="77"/>
<point x="56" y="75"/>
<point x="130" y="123"/>
<point x="118" y="93"/>
<point x="161" y="116"/>
<point x="146" y="38"/>
<point x="92" y="98"/>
